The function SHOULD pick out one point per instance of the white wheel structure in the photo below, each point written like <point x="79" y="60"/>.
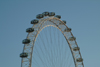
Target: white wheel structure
<point x="31" y="38"/>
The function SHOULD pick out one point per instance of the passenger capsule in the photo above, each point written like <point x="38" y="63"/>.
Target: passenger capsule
<point x="68" y="30"/>
<point x="72" y="38"/>
<point x="45" y="13"/>
<point x="79" y="60"/>
<point x="58" y="16"/>
<point x="64" y="21"/>
<point x="39" y="16"/>
<point x="35" y="21"/>
<point x="23" y="55"/>
<point x="51" y="14"/>
<point x="76" y="49"/>
<point x="29" y="30"/>
<point x="26" y="41"/>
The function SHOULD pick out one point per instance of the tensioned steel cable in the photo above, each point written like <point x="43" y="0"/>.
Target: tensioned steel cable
<point x="48" y="43"/>
<point x="40" y="48"/>
<point x="41" y="36"/>
<point x="44" y="44"/>
<point x="58" y="46"/>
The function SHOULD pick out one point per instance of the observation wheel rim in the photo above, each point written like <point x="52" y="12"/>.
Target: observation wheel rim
<point x="43" y="21"/>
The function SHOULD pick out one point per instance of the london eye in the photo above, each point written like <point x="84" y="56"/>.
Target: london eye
<point x="50" y="43"/>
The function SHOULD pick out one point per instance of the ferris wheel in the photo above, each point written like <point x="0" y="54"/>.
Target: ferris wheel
<point x="48" y="55"/>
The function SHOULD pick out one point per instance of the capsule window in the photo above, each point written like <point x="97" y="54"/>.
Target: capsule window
<point x="45" y="13"/>
<point x="67" y="30"/>
<point x="26" y="41"/>
<point x="34" y="21"/>
<point x="29" y="30"/>
<point x="58" y="16"/>
<point x="51" y="14"/>
<point x="79" y="60"/>
<point x="39" y="16"/>
<point x="72" y="38"/>
<point x="76" y="48"/>
<point x="23" y="55"/>
<point x="64" y="21"/>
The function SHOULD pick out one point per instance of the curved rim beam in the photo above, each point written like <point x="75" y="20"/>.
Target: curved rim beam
<point x="43" y="22"/>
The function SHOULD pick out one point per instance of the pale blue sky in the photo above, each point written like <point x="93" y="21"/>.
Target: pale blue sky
<point x="82" y="16"/>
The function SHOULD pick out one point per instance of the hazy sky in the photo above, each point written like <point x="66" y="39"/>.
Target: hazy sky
<point x="82" y="16"/>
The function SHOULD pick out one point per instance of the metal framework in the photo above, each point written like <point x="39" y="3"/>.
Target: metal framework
<point x="43" y="23"/>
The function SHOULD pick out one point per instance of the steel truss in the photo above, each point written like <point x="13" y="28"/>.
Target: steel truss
<point x="43" y="23"/>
